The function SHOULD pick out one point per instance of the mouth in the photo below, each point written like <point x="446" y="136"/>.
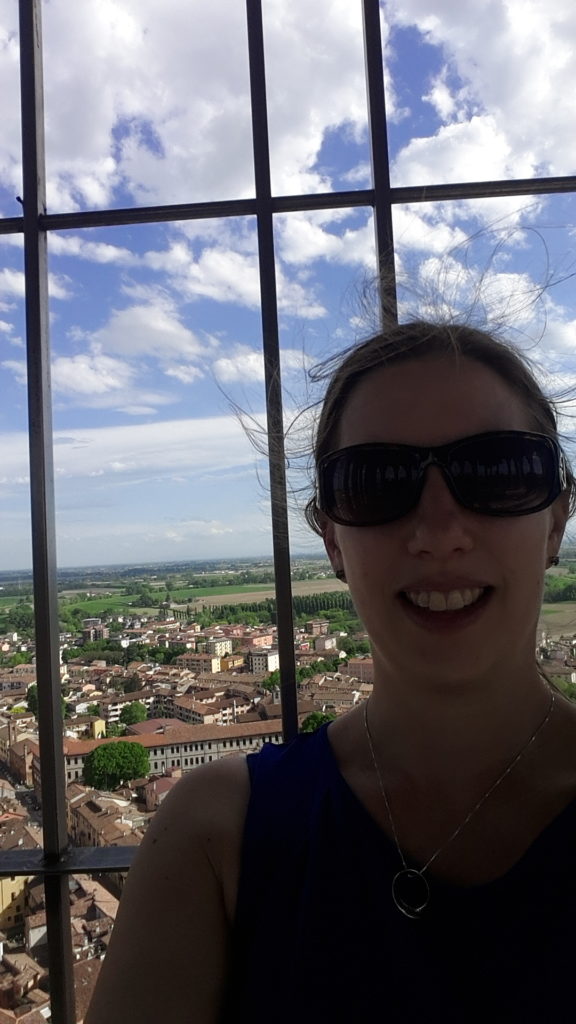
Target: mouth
<point x="436" y="610"/>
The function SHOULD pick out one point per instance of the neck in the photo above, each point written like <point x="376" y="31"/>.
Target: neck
<point x="421" y="734"/>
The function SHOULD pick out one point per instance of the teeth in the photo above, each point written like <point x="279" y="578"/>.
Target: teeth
<point x="435" y="601"/>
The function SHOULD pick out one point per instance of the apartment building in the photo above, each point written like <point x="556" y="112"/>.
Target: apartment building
<point x="326" y="643"/>
<point x="198" y="663"/>
<point x="183" y="746"/>
<point x="262" y="661"/>
<point x="317" y="627"/>
<point x="252" y="641"/>
<point x="96" y="820"/>
<point x="360" y="668"/>
<point x="195" y="712"/>
<point x="111" y="707"/>
<point x="219" y="646"/>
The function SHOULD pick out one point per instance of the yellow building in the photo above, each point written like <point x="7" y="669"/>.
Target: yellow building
<point x="12" y="895"/>
<point x="98" y="729"/>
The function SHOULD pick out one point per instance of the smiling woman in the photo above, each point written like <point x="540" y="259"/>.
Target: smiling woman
<point x="262" y="127"/>
<point x="434" y="823"/>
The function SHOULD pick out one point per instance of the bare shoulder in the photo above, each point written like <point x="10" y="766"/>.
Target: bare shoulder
<point x="171" y="936"/>
<point x="211" y="797"/>
<point x="206" y="810"/>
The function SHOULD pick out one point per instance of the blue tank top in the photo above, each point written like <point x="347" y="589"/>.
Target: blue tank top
<point x="318" y="938"/>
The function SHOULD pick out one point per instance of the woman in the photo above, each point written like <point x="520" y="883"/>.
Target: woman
<point x="414" y="859"/>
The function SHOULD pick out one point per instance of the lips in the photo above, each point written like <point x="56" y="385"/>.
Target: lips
<point x="449" y="619"/>
<point x="440" y="601"/>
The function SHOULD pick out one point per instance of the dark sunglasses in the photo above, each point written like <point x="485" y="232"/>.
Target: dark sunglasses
<point x="500" y="473"/>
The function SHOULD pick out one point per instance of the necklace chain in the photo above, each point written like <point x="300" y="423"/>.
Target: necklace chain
<point x="415" y="911"/>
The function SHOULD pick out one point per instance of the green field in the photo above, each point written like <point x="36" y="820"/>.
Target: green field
<point x="95" y="606"/>
<point x="558" y="618"/>
<point x="189" y="594"/>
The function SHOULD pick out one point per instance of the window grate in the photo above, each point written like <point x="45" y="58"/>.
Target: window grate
<point x="56" y="861"/>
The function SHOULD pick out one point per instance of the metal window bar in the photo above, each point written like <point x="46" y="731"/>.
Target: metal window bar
<point x="56" y="860"/>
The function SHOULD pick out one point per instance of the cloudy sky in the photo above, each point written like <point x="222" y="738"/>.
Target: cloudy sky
<point x="156" y="329"/>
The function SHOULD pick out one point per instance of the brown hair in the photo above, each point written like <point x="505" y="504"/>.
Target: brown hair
<point x="417" y="340"/>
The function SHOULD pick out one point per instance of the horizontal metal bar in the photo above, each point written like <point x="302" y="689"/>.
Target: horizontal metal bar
<point x="76" y="859"/>
<point x="483" y="189"/>
<point x="294" y="204"/>
<point x="11" y="225"/>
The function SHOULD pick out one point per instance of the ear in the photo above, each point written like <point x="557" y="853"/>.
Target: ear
<point x="331" y="544"/>
<point x="558" y="519"/>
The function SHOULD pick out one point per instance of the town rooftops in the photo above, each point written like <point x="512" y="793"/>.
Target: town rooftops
<point x="178" y="734"/>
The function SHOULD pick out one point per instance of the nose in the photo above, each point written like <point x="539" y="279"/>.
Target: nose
<point x="439" y="525"/>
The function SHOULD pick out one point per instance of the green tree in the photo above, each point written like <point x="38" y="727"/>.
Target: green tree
<point x="115" y="729"/>
<point x="21" y="618"/>
<point x="313" y="722"/>
<point x="132" y="683"/>
<point x="69" y="653"/>
<point x="93" y="709"/>
<point x="32" y="701"/>
<point x="111" y="764"/>
<point x="133" y="713"/>
<point x="272" y="681"/>
<point x="20" y="658"/>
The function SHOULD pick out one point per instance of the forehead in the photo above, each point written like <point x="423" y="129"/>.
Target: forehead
<point x="429" y="402"/>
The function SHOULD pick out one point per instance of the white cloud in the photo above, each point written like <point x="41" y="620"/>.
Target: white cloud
<point x="96" y="381"/>
<point x="180" y="446"/>
<point x="440" y="96"/>
<point x="246" y="364"/>
<point x="90" y="373"/>
<point x="511" y="64"/>
<point x="185" y="374"/>
<point x="360" y="175"/>
<point x="82" y="375"/>
<point x="97" y="252"/>
<point x="7" y="329"/>
<point x="223" y="275"/>
<point x="169" y="116"/>
<point x="12" y="284"/>
<point x="151" y="329"/>
<point x="17" y="367"/>
<point x="426" y="231"/>
<point x="478" y="149"/>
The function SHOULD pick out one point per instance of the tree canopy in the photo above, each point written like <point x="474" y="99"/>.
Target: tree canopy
<point x="32" y="701"/>
<point x="313" y="721"/>
<point x="134" y="712"/>
<point x="111" y="764"/>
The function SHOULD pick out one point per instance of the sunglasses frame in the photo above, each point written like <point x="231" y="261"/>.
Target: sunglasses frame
<point x="439" y="455"/>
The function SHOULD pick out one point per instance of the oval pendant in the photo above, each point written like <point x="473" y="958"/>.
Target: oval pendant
<point x="410" y="892"/>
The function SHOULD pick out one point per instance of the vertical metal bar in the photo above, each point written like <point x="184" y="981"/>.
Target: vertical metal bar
<point x="273" y="383"/>
<point x="42" y="502"/>
<point x="380" y="159"/>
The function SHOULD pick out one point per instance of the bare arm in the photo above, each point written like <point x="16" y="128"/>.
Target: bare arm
<point x="168" y="953"/>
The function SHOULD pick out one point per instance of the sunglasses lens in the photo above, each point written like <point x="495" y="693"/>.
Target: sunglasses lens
<point x="364" y="486"/>
<point x="507" y="473"/>
<point x="512" y="475"/>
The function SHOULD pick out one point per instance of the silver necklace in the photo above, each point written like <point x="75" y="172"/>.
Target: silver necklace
<point x="410" y="889"/>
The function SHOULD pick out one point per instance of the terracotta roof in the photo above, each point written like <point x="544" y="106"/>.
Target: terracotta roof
<point x="182" y="733"/>
<point x="152" y="725"/>
<point x="85" y="976"/>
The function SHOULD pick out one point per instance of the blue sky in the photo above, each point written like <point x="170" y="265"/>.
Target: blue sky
<point x="155" y="328"/>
